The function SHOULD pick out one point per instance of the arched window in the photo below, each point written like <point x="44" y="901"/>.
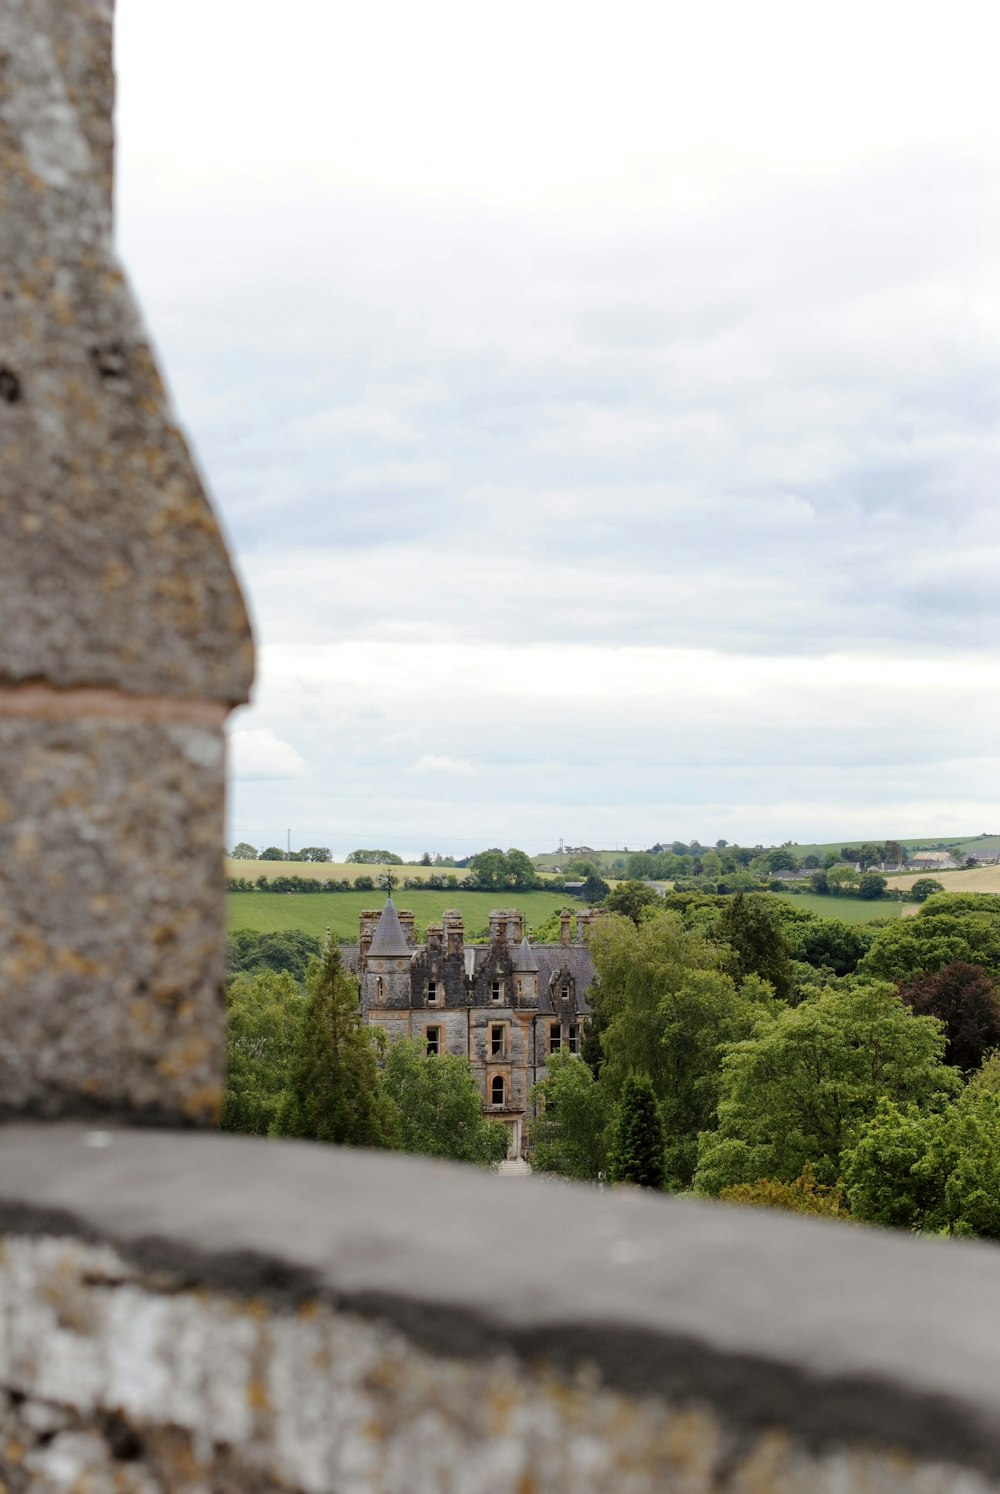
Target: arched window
<point x="498" y="1090"/>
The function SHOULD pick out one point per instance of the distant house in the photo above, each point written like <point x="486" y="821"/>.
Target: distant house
<point x="932" y="861"/>
<point x="505" y="1006"/>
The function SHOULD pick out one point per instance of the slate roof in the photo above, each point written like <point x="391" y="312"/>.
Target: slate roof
<point x="389" y="937"/>
<point x="524" y="958"/>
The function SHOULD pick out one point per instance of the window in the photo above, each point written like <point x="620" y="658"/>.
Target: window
<point x="497" y="1091"/>
<point x="555" y="1037"/>
<point x="565" y="990"/>
<point x="497" y="990"/>
<point x="379" y="988"/>
<point x="433" y="1036"/>
<point x="574" y="1038"/>
<point x="433" y="991"/>
<point x="496" y="1041"/>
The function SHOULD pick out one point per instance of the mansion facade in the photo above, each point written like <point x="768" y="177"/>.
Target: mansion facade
<point x="505" y="1006"/>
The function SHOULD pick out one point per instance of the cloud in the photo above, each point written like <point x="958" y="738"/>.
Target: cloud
<point x="644" y="456"/>
<point x="258" y="754"/>
<point x="443" y="764"/>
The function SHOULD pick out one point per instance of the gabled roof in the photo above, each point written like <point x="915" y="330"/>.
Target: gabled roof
<point x="524" y="958"/>
<point x="389" y="937"/>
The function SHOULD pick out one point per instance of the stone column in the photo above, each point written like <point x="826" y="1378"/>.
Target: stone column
<point x="124" y="640"/>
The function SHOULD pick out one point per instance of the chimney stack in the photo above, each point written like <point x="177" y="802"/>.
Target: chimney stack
<point x="454" y="931"/>
<point x="515" y="925"/>
<point x="407" y="921"/>
<point x="498" y="926"/>
<point x="565" y="918"/>
<point x="368" y="923"/>
<point x="435" y="938"/>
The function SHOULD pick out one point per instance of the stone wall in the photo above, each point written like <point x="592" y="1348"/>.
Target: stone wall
<point x="188" y="1313"/>
<point x="123" y="636"/>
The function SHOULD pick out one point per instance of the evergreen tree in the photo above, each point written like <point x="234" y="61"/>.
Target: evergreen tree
<point x="334" y="1092"/>
<point x="751" y="929"/>
<point x="637" y="1140"/>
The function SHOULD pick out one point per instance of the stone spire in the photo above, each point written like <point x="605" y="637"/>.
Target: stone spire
<point x="389" y="940"/>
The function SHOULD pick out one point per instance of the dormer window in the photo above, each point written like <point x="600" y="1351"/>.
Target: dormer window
<point x="433" y="993"/>
<point x="497" y="991"/>
<point x="564" y="990"/>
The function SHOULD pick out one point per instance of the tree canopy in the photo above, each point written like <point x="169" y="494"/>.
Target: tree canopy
<point x="263" y="1013"/>
<point x="964" y="999"/>
<point x="635" y="1154"/>
<point x="439" y="1107"/>
<point x="571" y="1115"/>
<point x="801" y="1087"/>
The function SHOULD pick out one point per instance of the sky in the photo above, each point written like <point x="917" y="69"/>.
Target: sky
<point x="601" y="402"/>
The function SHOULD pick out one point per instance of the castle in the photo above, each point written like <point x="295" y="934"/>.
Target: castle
<point x="505" y="1006"/>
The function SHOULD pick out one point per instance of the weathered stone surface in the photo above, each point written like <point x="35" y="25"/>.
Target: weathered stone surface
<point x="364" y="1320"/>
<point x="112" y="569"/>
<point x="133" y="1386"/>
<point x="111" y="909"/>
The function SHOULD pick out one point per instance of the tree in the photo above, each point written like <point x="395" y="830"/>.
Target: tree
<point x="819" y="882"/>
<point x="320" y="854"/>
<point x="439" y="1107"/>
<point x="937" y="1171"/>
<point x="594" y="889"/>
<point x="636" y="1151"/>
<point x="949" y="926"/>
<point x="375" y="858"/>
<point x="289" y="950"/>
<point x="751" y="929"/>
<point x="489" y="869"/>
<point x="272" y="853"/>
<point x="800" y="1089"/>
<point x="871" y="886"/>
<point x="243" y="851"/>
<point x="804" y="1196"/>
<point x="632" y="899"/>
<point x="781" y="860"/>
<point x="895" y="853"/>
<point x="663" y="1008"/>
<point x="333" y="1091"/>
<point x="838" y="877"/>
<point x="425" y="859"/>
<point x="828" y="943"/>
<point x="521" y="873"/>
<point x="922" y="889"/>
<point x="263" y="1013"/>
<point x="965" y="1000"/>
<point x="571" y="1117"/>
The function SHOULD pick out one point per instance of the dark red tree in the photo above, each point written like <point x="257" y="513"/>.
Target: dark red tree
<point x="965" y="999"/>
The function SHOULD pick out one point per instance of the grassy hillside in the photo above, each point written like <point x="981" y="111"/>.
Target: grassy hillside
<point x="847" y="909"/>
<point x="970" y="845"/>
<point x="314" y="912"/>
<point x="548" y="859"/>
<point x="336" y="870"/>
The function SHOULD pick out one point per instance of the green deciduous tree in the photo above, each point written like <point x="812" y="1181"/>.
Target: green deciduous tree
<point x="800" y="1089"/>
<point x="272" y="853"/>
<point x="632" y="899"/>
<point x="949" y="926"/>
<point x="333" y="1091"/>
<point x="664" y="1008"/>
<point x="804" y="1196"/>
<point x="871" y="885"/>
<point x="568" y="1131"/>
<point x="244" y="851"/>
<point x="439" y="1106"/>
<point x="937" y="1171"/>
<point x="375" y="858"/>
<point x="263" y="1014"/>
<point x="921" y="890"/>
<point x="290" y="950"/>
<point x="594" y="888"/>
<point x="635" y="1154"/>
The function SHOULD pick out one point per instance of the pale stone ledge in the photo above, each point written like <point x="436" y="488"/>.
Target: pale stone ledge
<point x="263" y="1314"/>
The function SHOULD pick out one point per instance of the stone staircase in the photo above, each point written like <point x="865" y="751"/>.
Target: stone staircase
<point x="514" y="1167"/>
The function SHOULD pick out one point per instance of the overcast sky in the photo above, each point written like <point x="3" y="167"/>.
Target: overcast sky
<point x="602" y="403"/>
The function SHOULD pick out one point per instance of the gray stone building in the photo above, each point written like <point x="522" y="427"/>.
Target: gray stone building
<point x="505" y="1005"/>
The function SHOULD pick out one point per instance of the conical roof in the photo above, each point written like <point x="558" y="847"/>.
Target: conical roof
<point x="524" y="958"/>
<point x="389" y="937"/>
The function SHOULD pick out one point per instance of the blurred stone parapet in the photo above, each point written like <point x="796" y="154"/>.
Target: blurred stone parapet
<point x="124" y="639"/>
<point x="186" y="1312"/>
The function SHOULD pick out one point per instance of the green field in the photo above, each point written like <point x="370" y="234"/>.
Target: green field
<point x="314" y="912"/>
<point x="847" y="909"/>
<point x="971" y="845"/>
